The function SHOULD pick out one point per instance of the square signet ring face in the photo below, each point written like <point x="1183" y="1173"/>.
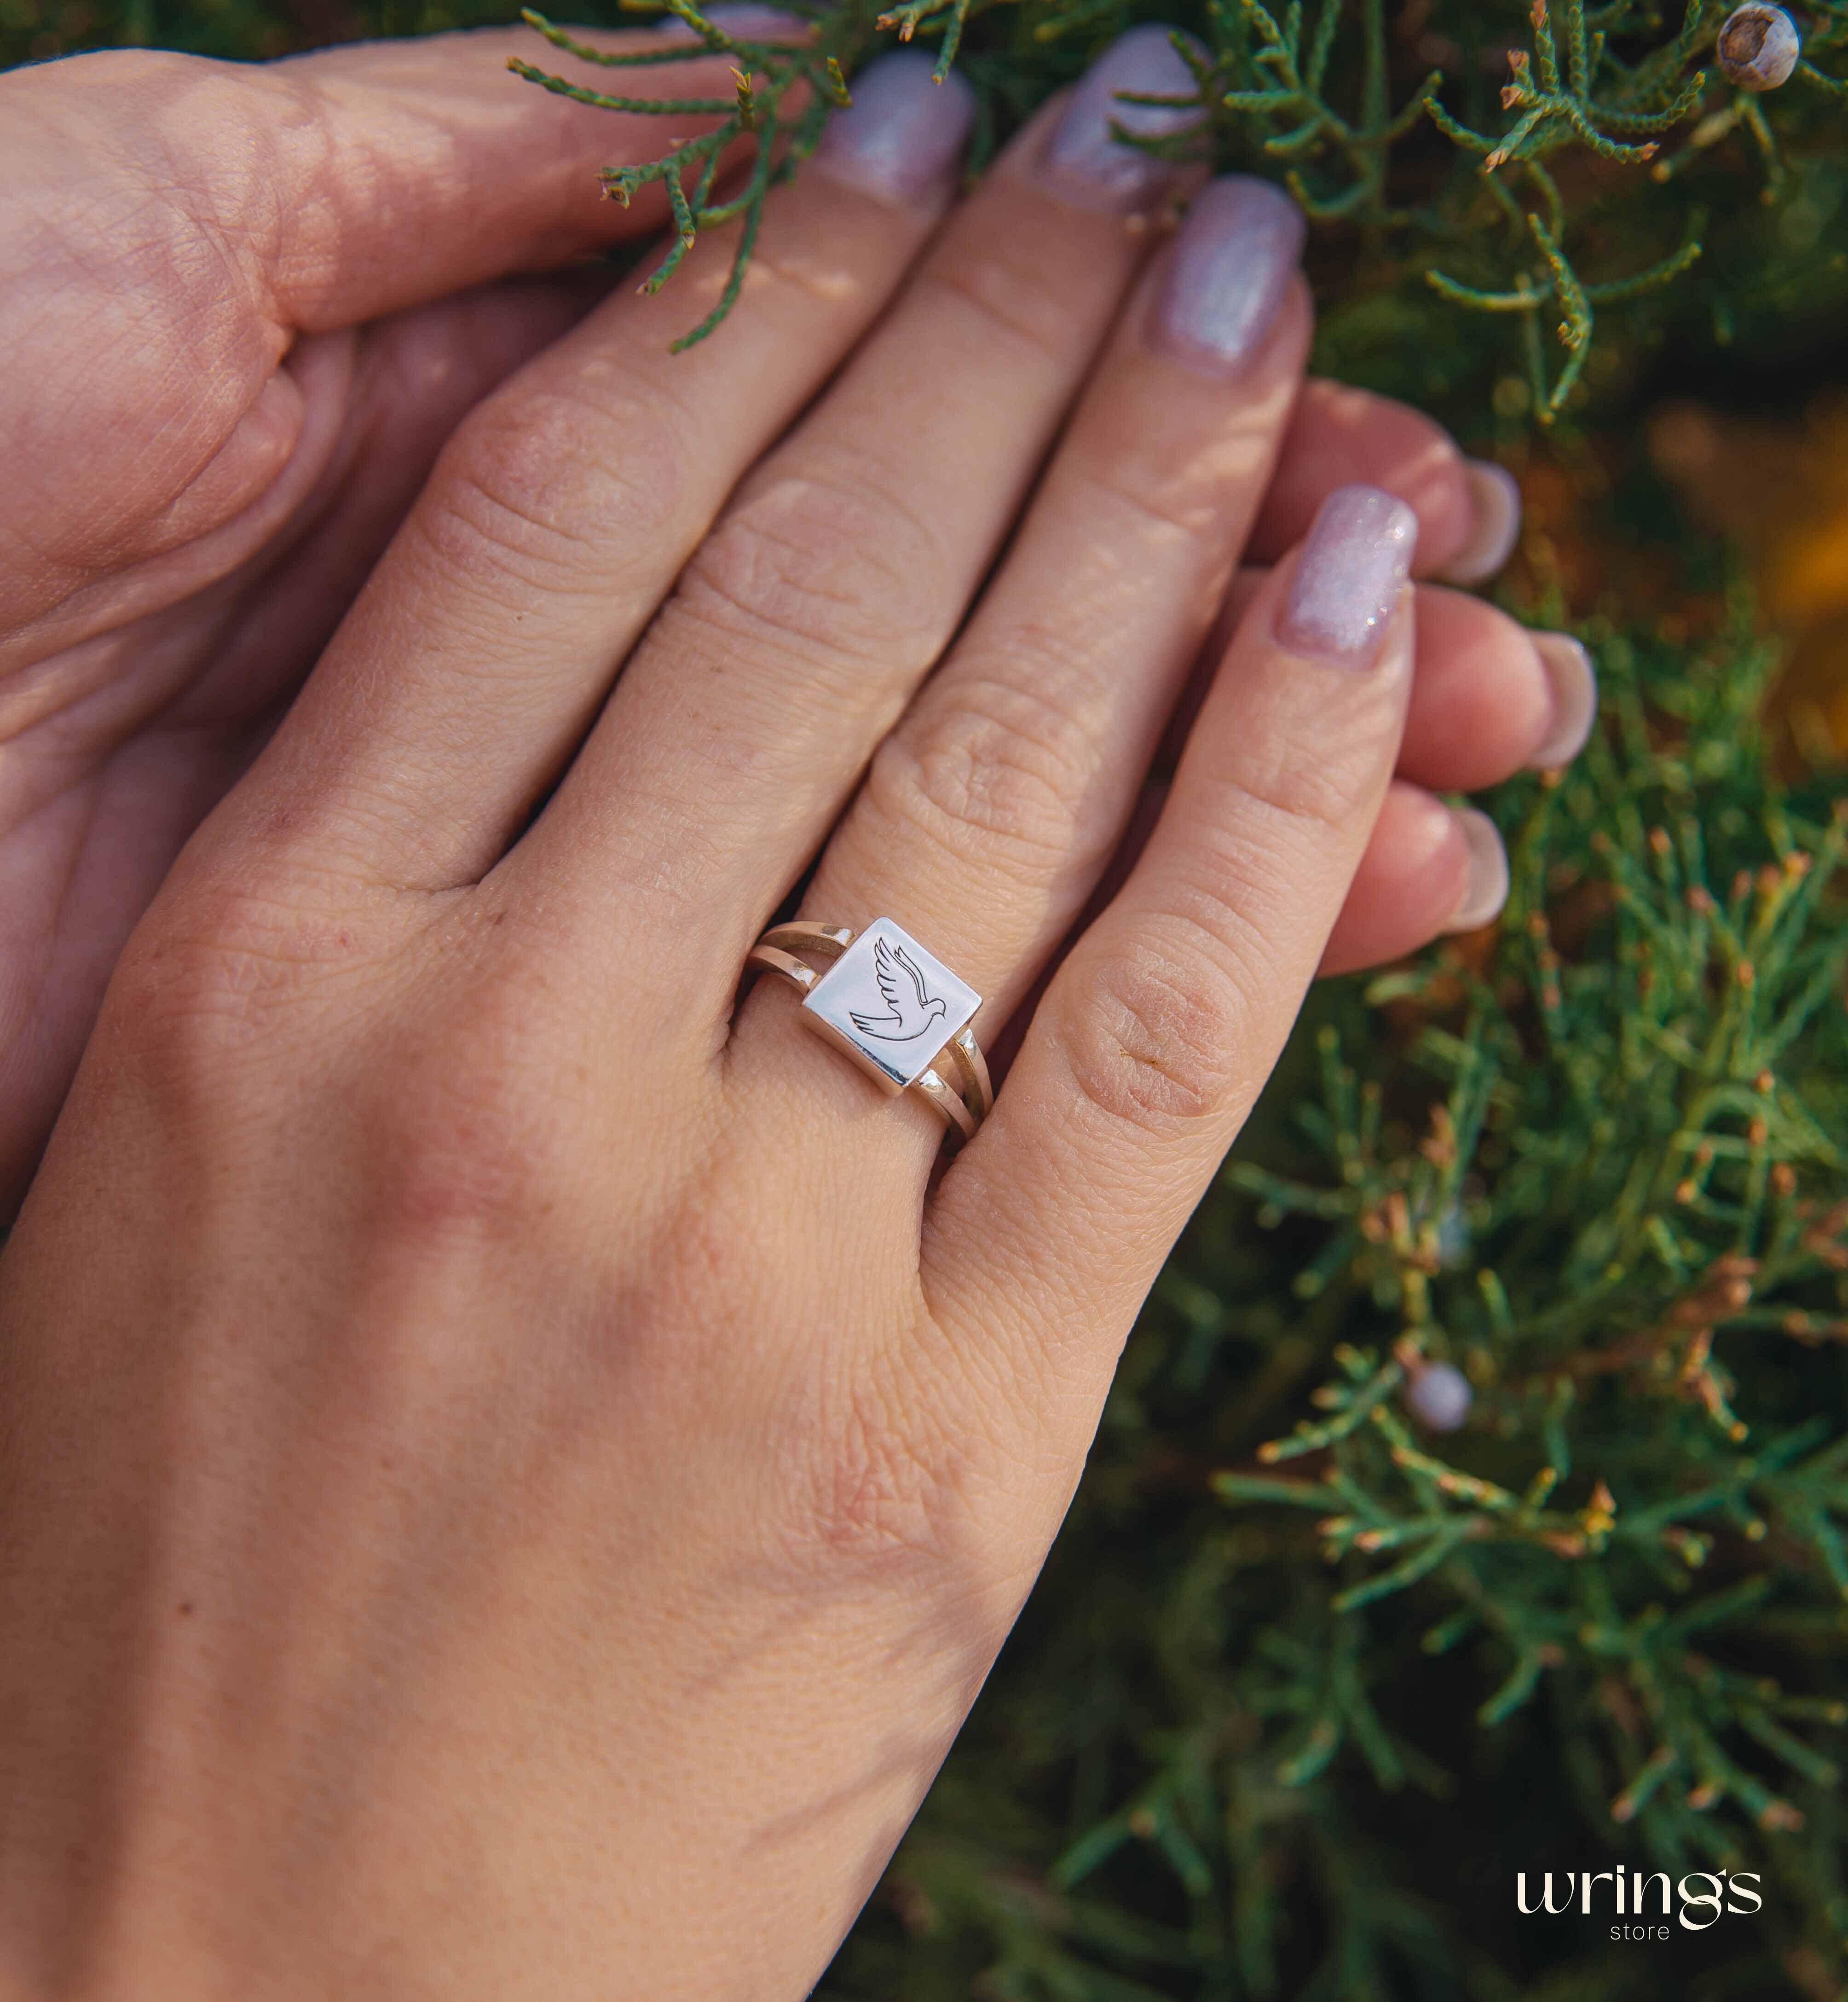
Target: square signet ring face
<point x="889" y="1005"/>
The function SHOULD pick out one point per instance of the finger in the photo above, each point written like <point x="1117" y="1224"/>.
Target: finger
<point x="1428" y="869"/>
<point x="1157" y="1033"/>
<point x="416" y="376"/>
<point x="359" y="414"/>
<point x="558" y="516"/>
<point x="1469" y="510"/>
<point x="1491" y="697"/>
<point x="192" y="217"/>
<point x="353" y="182"/>
<point x="804" y="623"/>
<point x="990" y="813"/>
<point x="1488" y="699"/>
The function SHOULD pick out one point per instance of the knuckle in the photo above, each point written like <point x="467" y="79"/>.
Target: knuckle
<point x="991" y="767"/>
<point x="1296" y="787"/>
<point x="208" y="982"/>
<point x="1157" y="1039"/>
<point x="884" y="1483"/>
<point x="827" y="559"/>
<point x="1018" y="297"/>
<point x="468" y="1142"/>
<point x="551" y="490"/>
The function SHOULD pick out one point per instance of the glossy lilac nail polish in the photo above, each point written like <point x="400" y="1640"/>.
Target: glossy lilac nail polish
<point x="1353" y="564"/>
<point x="751" y="22"/>
<point x="1084" y="162"/>
<point x="1229" y="271"/>
<point x="901" y="137"/>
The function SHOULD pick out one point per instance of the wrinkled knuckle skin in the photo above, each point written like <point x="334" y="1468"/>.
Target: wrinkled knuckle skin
<point x="1304" y="792"/>
<point x="1155" y="1038"/>
<point x="211" y="981"/>
<point x="1019" y="292"/>
<point x="876" y="1483"/>
<point x="991" y="773"/>
<point x="824" y="563"/>
<point x="552" y="492"/>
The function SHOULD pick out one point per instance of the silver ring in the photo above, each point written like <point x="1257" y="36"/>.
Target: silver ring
<point x="896" y="1009"/>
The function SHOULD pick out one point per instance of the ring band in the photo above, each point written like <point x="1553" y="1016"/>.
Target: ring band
<point x="896" y="1009"/>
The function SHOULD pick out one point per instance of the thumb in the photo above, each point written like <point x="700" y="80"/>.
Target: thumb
<point x="173" y="224"/>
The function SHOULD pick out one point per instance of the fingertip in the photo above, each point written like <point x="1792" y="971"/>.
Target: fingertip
<point x="1348" y="586"/>
<point x="1339" y="435"/>
<point x="1486" y="882"/>
<point x="1573" y="682"/>
<point x="901" y="140"/>
<point x="1494" y="503"/>
<point x="1410" y="876"/>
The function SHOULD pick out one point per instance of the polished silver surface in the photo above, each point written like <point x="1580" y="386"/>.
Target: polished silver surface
<point x="890" y="1005"/>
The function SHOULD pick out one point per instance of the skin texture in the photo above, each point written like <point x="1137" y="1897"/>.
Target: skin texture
<point x="514" y="1463"/>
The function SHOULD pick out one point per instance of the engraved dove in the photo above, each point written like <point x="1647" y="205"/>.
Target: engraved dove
<point x="913" y="1009"/>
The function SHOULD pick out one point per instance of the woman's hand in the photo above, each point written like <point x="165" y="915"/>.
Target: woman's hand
<point x="515" y="1468"/>
<point x="244" y="307"/>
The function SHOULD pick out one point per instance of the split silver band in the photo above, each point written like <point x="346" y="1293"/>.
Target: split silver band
<point x="891" y="1007"/>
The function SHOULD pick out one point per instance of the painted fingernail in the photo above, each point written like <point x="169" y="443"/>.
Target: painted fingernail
<point x="745" y="20"/>
<point x="751" y="22"/>
<point x="1487" y="890"/>
<point x="1496" y="498"/>
<point x="900" y="139"/>
<point x="1085" y="162"/>
<point x="1229" y="271"/>
<point x="1574" y="684"/>
<point x="1353" y="564"/>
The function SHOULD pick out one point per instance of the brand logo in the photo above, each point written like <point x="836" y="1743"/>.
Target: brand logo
<point x="1694" y="1901"/>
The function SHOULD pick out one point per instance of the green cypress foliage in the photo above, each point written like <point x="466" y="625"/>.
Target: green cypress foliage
<point x="1308" y="1682"/>
<point x="1517" y="197"/>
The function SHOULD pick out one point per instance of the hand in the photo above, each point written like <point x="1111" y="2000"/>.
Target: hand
<point x="245" y="307"/>
<point x="516" y="1468"/>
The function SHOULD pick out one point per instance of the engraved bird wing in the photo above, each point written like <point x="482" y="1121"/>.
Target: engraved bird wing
<point x="917" y="979"/>
<point x="885" y="973"/>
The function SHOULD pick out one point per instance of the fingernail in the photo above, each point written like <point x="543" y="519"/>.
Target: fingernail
<point x="745" y="20"/>
<point x="1487" y="890"/>
<point x="1230" y="271"/>
<point x="1497" y="500"/>
<point x="900" y="139"/>
<point x="1084" y="162"/>
<point x="751" y="22"/>
<point x="1575" y="685"/>
<point x="1353" y="566"/>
